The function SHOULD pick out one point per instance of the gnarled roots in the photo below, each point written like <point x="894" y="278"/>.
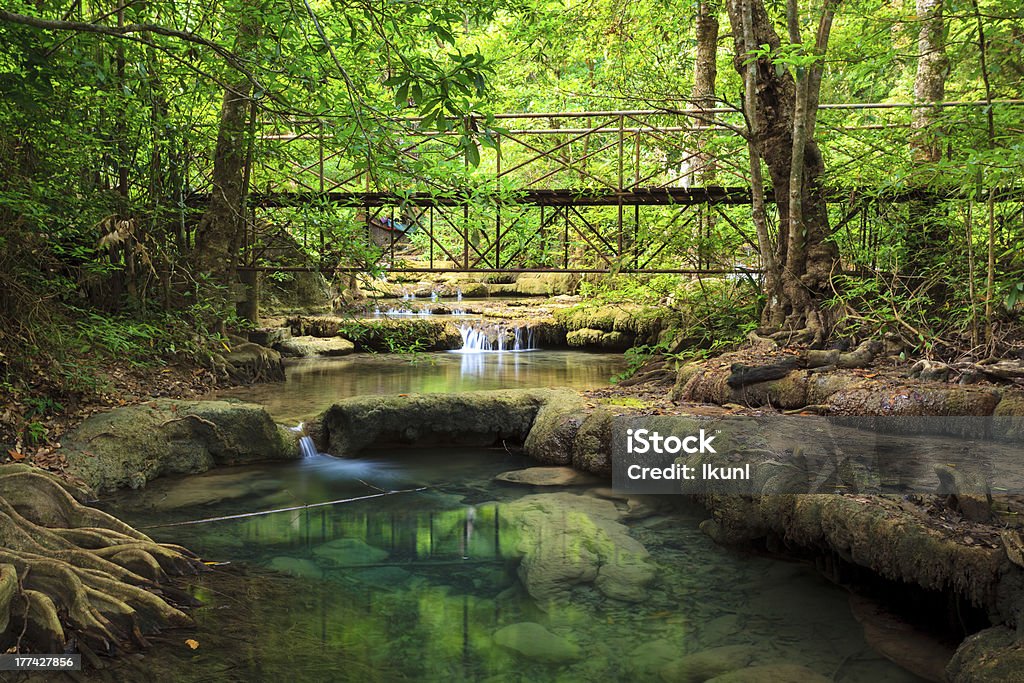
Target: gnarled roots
<point x="71" y="572"/>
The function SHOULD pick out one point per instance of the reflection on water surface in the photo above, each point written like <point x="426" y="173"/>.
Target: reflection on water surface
<point x="314" y="384"/>
<point x="427" y="586"/>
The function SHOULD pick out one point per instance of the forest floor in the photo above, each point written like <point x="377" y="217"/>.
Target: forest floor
<point x="124" y="382"/>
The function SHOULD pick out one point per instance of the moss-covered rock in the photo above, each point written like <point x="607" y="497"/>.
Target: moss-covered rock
<point x="995" y="654"/>
<point x="874" y="532"/>
<point x="643" y="323"/>
<point x="1011" y="404"/>
<point x="130" y="446"/>
<point x="592" y="447"/>
<point x="318" y="325"/>
<point x="1009" y="414"/>
<point x="248" y="362"/>
<point x="306" y="347"/>
<point x="554" y="430"/>
<point x="479" y="418"/>
<point x="925" y="399"/>
<point x="546" y="334"/>
<point x="684" y="374"/>
<point x="547" y="284"/>
<point x="588" y="338"/>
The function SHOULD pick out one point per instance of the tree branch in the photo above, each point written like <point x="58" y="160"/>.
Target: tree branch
<point x="127" y="32"/>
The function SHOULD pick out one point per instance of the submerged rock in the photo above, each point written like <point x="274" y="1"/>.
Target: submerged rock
<point x="389" y="578"/>
<point x="208" y="489"/>
<point x="349" y="551"/>
<point x="771" y="673"/>
<point x="900" y="642"/>
<point x="130" y="446"/>
<point x="566" y="540"/>
<point x="707" y="664"/>
<point x="533" y="641"/>
<point x="548" y="476"/>
<point x="296" y="566"/>
<point x="649" y="658"/>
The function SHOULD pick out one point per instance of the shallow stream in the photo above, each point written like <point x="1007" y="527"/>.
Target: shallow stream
<point x="423" y="585"/>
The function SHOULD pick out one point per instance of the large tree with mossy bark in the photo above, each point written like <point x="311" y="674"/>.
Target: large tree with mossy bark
<point x="782" y="82"/>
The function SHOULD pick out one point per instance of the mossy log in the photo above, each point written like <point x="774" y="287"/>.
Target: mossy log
<point x="74" y="575"/>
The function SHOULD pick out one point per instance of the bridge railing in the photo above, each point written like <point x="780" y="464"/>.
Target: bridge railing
<point x="613" y="150"/>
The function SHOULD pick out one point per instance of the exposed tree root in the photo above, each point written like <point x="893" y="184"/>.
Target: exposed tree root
<point x="73" y="573"/>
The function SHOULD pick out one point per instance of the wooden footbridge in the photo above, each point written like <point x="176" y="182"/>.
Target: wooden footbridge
<point x="652" y="191"/>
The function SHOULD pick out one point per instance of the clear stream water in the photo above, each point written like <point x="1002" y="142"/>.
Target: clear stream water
<point x="413" y="587"/>
<point x="314" y="385"/>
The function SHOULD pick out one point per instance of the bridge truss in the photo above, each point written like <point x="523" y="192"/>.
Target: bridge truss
<point x="638" y="191"/>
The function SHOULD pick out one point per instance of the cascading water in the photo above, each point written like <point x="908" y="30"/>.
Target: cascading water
<point x="307" y="447"/>
<point x="478" y="338"/>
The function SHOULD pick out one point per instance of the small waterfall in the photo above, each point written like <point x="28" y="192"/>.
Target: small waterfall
<point x="307" y="447"/>
<point x="458" y="294"/>
<point x="499" y="337"/>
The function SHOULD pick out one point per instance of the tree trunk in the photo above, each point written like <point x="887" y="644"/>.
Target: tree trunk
<point x="217" y="236"/>
<point x="705" y="73"/>
<point x="930" y="80"/>
<point x="927" y="238"/>
<point x="219" y="233"/>
<point x="804" y="256"/>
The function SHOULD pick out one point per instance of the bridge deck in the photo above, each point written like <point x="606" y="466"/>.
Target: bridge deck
<point x="643" y="196"/>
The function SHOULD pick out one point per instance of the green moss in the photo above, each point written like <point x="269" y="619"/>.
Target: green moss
<point x="625" y="401"/>
<point x="642" y="322"/>
<point x="132" y="445"/>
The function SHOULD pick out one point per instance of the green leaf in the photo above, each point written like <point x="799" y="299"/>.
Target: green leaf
<point x="472" y="151"/>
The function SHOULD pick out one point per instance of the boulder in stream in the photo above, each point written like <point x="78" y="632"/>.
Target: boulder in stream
<point x="308" y="346"/>
<point x="567" y="540"/>
<point x="771" y="673"/>
<point x="533" y="641"/>
<point x="478" y="418"/>
<point x="707" y="664"/>
<point x="127" y="447"/>
<point x="548" y="476"/>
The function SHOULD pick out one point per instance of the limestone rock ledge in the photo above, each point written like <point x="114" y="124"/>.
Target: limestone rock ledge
<point x="554" y="426"/>
<point x="881" y="533"/>
<point x="127" y="447"/>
